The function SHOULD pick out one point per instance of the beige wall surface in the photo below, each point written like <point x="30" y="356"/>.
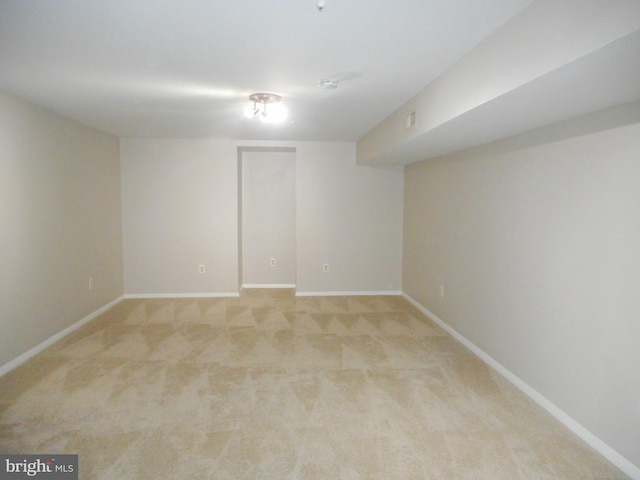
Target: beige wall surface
<point x="536" y="244"/>
<point x="59" y="224"/>
<point x="268" y="218"/>
<point x="180" y="210"/>
<point x="349" y="217"/>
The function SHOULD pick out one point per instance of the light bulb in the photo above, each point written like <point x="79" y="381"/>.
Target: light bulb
<point x="274" y="114"/>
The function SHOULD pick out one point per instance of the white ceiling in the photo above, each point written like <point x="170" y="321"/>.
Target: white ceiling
<point x="606" y="78"/>
<point x="170" y="68"/>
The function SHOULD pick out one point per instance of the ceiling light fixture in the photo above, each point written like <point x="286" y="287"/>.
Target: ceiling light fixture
<point x="274" y="114"/>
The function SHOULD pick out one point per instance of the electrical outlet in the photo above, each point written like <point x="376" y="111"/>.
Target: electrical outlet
<point x="441" y="292"/>
<point x="202" y="269"/>
<point x="325" y="267"/>
<point x="273" y="262"/>
<point x="91" y="283"/>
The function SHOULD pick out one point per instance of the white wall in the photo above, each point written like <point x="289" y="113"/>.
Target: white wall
<point x="536" y="241"/>
<point x="59" y="224"/>
<point x="180" y="209"/>
<point x="268" y="218"/>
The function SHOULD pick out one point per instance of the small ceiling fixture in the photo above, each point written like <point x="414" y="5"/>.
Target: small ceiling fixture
<point x="328" y="84"/>
<point x="274" y="114"/>
<point x="320" y="4"/>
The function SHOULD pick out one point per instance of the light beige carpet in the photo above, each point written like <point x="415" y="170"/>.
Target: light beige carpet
<point x="270" y="386"/>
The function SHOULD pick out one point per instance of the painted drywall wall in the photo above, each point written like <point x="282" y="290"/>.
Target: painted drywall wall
<point x="269" y="218"/>
<point x="179" y="204"/>
<point x="535" y="242"/>
<point x="349" y="217"/>
<point x="59" y="224"/>
<point x="180" y="210"/>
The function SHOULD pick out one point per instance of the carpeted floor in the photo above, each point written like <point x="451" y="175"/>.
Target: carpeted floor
<point x="270" y="386"/>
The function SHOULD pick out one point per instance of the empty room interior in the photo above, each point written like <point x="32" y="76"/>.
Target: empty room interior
<point x="321" y="239"/>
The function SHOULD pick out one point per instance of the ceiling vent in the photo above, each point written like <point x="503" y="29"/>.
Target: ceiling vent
<point x="411" y="120"/>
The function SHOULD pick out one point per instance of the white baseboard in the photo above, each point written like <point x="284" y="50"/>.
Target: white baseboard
<point x="344" y="294"/>
<point x="181" y="295"/>
<point x="268" y="285"/>
<point x="605" y="450"/>
<point x="7" y="367"/>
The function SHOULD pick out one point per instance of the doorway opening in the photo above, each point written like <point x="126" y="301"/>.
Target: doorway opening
<point x="267" y="217"/>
